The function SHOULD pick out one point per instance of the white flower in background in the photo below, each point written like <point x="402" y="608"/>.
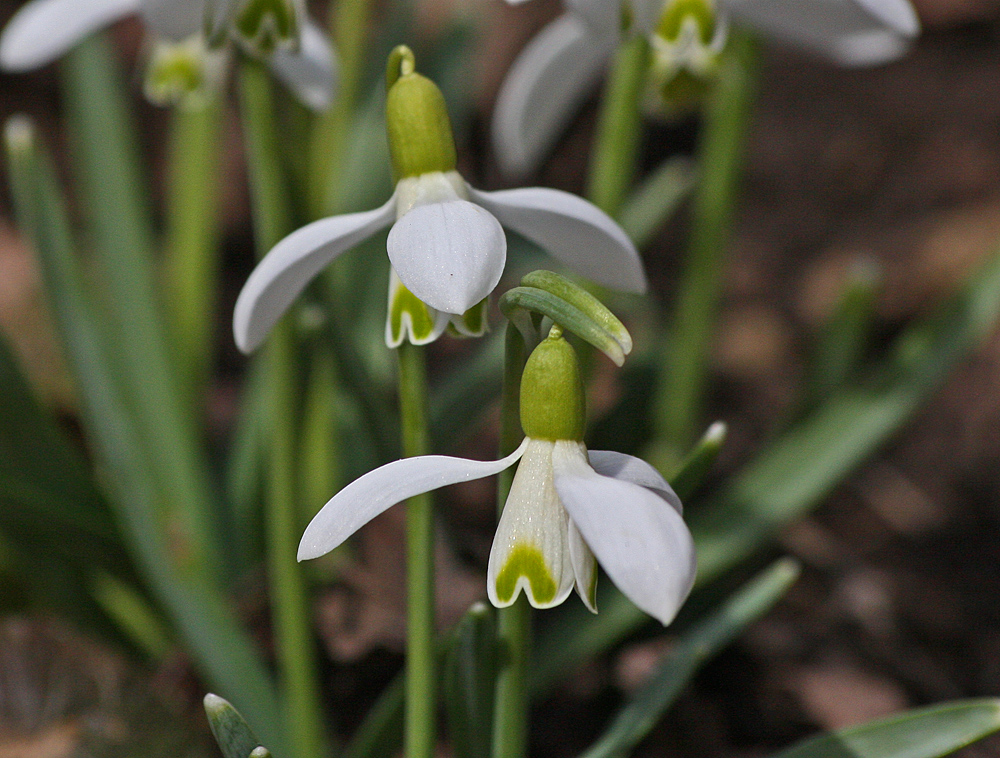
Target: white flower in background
<point x="185" y="41"/>
<point x="446" y="245"/>
<point x="559" y="66"/>
<point x="566" y="506"/>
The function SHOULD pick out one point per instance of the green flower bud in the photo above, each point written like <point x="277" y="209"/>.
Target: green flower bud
<point x="553" y="406"/>
<point x="420" y="137"/>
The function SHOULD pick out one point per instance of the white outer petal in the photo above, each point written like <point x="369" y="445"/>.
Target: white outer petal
<point x="533" y="517"/>
<point x="544" y="88"/>
<point x="450" y="255"/>
<point x="628" y="468"/>
<point x="291" y="265"/>
<point x="576" y="232"/>
<point x="603" y="16"/>
<point x="375" y="492"/>
<point x="45" y="29"/>
<point x="311" y="71"/>
<point x="646" y="549"/>
<point x="174" y="20"/>
<point x="849" y="32"/>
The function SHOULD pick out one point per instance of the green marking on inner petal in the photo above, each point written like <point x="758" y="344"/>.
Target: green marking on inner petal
<point x="472" y="323"/>
<point x="173" y="74"/>
<point x="267" y="23"/>
<point x="421" y="321"/>
<point x="678" y="11"/>
<point x="526" y="561"/>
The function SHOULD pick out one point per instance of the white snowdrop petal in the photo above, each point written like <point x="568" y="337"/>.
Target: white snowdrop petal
<point x="849" y="32"/>
<point x="576" y="232"/>
<point x="291" y="265"/>
<point x="544" y="88"/>
<point x="365" y="498"/>
<point x="530" y="550"/>
<point x="311" y="71"/>
<point x="628" y="468"/>
<point x="174" y="20"/>
<point x="584" y="568"/>
<point x="602" y="16"/>
<point x="645" y="548"/>
<point x="45" y="29"/>
<point x="450" y="255"/>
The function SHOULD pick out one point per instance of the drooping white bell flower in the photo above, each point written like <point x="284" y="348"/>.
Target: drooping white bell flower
<point x="184" y="40"/>
<point x="558" y="68"/>
<point x="446" y="245"/>
<point x="566" y="507"/>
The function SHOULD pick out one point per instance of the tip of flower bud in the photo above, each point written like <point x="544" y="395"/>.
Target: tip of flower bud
<point x="553" y="405"/>
<point x="401" y="63"/>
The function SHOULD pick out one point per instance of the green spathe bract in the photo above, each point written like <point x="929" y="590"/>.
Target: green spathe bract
<point x="420" y="137"/>
<point x="553" y="406"/>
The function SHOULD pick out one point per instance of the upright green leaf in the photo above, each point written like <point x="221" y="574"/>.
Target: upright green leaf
<point x="469" y="674"/>
<point x="234" y="735"/>
<point x="921" y="733"/>
<point x="695" y="648"/>
<point x="192" y="598"/>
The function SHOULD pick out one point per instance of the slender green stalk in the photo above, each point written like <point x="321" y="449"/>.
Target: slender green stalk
<point x="293" y="633"/>
<point x="192" y="236"/>
<point x="510" y="718"/>
<point x="616" y="145"/>
<point x="720" y="167"/>
<point x="421" y="679"/>
<point x="349" y="20"/>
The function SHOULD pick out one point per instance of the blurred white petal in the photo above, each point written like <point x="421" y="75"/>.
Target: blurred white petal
<point x="576" y="232"/>
<point x="543" y="90"/>
<point x="367" y="497"/>
<point x="530" y="550"/>
<point x="602" y="16"/>
<point x="849" y="32"/>
<point x="45" y="29"/>
<point x="645" y="548"/>
<point x="311" y="71"/>
<point x="450" y="255"/>
<point x="291" y="265"/>
<point x="173" y="20"/>
<point x="628" y="468"/>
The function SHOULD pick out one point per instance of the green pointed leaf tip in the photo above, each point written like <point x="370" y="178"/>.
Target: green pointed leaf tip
<point x="563" y="288"/>
<point x="921" y="733"/>
<point x="260" y="752"/>
<point x="416" y="119"/>
<point x="553" y="405"/>
<point x="19" y="135"/>
<point x="235" y="738"/>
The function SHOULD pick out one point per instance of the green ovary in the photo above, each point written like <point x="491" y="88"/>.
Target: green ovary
<point x="526" y="561"/>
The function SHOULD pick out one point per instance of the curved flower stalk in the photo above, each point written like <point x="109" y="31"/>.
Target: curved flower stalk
<point x="446" y="245"/>
<point x="186" y="41"/>
<point x="567" y="505"/>
<point x="555" y="71"/>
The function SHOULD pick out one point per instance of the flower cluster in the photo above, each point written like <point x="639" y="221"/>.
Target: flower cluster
<point x="556" y="70"/>
<point x="186" y="41"/>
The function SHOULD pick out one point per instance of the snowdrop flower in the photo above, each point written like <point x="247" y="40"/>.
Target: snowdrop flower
<point x="567" y="505"/>
<point x="555" y="71"/>
<point x="185" y="41"/>
<point x="446" y="245"/>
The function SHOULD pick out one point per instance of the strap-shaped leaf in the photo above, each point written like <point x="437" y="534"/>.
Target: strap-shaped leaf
<point x="470" y="668"/>
<point x="695" y="467"/>
<point x="920" y="733"/>
<point x="230" y="729"/>
<point x="696" y="648"/>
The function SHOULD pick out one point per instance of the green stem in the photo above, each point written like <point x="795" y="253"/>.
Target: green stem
<point x="349" y="20"/>
<point x="293" y="633"/>
<point x="421" y="679"/>
<point x="721" y="167"/>
<point x="616" y="145"/>
<point x="510" y="721"/>
<point x="192" y="226"/>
